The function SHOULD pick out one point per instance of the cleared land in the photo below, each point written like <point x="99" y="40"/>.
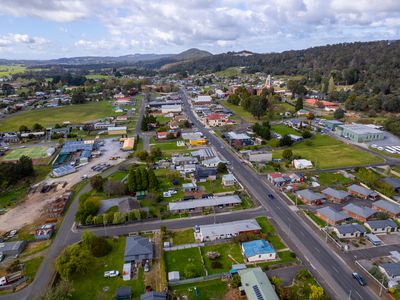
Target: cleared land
<point x="33" y="152"/>
<point x="326" y="152"/>
<point x="51" y="116"/>
<point x="283" y="129"/>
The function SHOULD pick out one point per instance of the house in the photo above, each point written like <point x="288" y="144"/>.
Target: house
<point x="302" y="112"/>
<point x="360" y="213"/>
<point x="391" y="270"/>
<point x="362" y="192"/>
<point x="336" y="196"/>
<point x="295" y="177"/>
<point x="238" y="139"/>
<point x="138" y="249"/>
<point x="349" y="230"/>
<point x="174" y="108"/>
<point x="122" y="118"/>
<point x="256" y="285"/>
<point x="381" y="226"/>
<point x="198" y="142"/>
<point x="227" y="230"/>
<point x="258" y="250"/>
<point x="332" y="216"/>
<point x="278" y="179"/>
<point x="387" y="207"/>
<point x="12" y="248"/>
<point x="310" y="197"/>
<point x="154" y="296"/>
<point x="214" y="120"/>
<point x="199" y="204"/>
<point x="44" y="232"/>
<point x="117" y="130"/>
<point x="393" y="182"/>
<point x="162" y="135"/>
<point x="203" y="174"/>
<point x="183" y="160"/>
<point x="123" y="293"/>
<point x="211" y="162"/>
<point x="189" y="187"/>
<point x="302" y="164"/>
<point x="228" y="180"/>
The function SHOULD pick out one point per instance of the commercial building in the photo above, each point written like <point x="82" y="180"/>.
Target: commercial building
<point x="258" y="250"/>
<point x="12" y="248"/>
<point x="214" y="120"/>
<point x="302" y="164"/>
<point x="128" y="144"/>
<point x="202" y="100"/>
<point x="258" y="156"/>
<point x="359" y="133"/>
<point x="256" y="285"/>
<point x="238" y="139"/>
<point x="197" y="142"/>
<point x="227" y="230"/>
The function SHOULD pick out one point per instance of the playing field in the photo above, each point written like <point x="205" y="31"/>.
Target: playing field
<point x="326" y="152"/>
<point x="34" y="153"/>
<point x="50" y="116"/>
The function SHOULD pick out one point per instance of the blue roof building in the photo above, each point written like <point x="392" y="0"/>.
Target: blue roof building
<point x="258" y="250"/>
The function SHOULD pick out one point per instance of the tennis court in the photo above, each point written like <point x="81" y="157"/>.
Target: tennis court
<point x="32" y="152"/>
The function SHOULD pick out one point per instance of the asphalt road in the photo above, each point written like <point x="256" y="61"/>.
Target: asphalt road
<point x="330" y="269"/>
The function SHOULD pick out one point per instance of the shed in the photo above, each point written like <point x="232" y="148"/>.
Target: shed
<point x="123" y="293"/>
<point x="173" y="276"/>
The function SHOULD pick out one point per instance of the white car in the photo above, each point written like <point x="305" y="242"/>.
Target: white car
<point x="166" y="194"/>
<point x="374" y="146"/>
<point x="172" y="192"/>
<point x="110" y="274"/>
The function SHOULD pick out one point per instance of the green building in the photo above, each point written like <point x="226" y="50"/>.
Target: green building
<point x="360" y="133"/>
<point x="256" y="285"/>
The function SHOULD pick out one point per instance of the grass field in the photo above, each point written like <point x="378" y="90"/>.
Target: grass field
<point x="32" y="152"/>
<point x="92" y="284"/>
<point x="51" y="116"/>
<point x="230" y="254"/>
<point x="181" y="237"/>
<point x="283" y="129"/>
<point x="332" y="179"/>
<point x="229" y="72"/>
<point x="207" y="290"/>
<point x="217" y="187"/>
<point x="31" y="267"/>
<point x="238" y="110"/>
<point x="97" y="76"/>
<point x="273" y="237"/>
<point x="8" y="70"/>
<point x="179" y="259"/>
<point x="326" y="152"/>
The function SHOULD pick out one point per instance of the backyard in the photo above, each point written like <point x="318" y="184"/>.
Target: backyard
<point x="333" y="179"/>
<point x="181" y="237"/>
<point x="88" y="285"/>
<point x="179" y="260"/>
<point x="230" y="253"/>
<point x="50" y="116"/>
<point x="206" y="290"/>
<point x="326" y="152"/>
<point x="283" y="129"/>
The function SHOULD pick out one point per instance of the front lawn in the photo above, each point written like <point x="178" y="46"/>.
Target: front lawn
<point x="321" y="223"/>
<point x="272" y="236"/>
<point x="206" y="290"/>
<point x="230" y="254"/>
<point x="216" y="186"/>
<point x="283" y="129"/>
<point x="179" y="259"/>
<point x="92" y="284"/>
<point x="326" y="152"/>
<point x="181" y="237"/>
<point x="333" y="179"/>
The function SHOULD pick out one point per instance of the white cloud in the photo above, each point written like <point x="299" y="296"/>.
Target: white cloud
<point x="218" y="25"/>
<point x="15" y="39"/>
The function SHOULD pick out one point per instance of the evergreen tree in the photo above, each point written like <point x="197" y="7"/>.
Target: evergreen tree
<point x="132" y="186"/>
<point x="299" y="104"/>
<point x="153" y="182"/>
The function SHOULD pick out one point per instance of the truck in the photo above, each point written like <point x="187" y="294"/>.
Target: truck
<point x="10" y="278"/>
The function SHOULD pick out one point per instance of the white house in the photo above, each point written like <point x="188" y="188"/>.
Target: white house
<point x="228" y="180"/>
<point x="302" y="164"/>
<point x="381" y="226"/>
<point x="347" y="231"/>
<point x="258" y="250"/>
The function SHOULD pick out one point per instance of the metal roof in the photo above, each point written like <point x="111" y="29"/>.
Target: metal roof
<point x="338" y="194"/>
<point x="257" y="285"/>
<point x="257" y="247"/>
<point x="381" y="224"/>
<point x="350" y="228"/>
<point x="207" y="202"/>
<point x="362" y="211"/>
<point x="388" y="206"/>
<point x="333" y="214"/>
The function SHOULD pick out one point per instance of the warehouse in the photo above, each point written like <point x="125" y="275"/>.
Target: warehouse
<point x="359" y="133"/>
<point x="12" y="248"/>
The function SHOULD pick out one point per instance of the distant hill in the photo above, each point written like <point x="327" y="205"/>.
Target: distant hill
<point x="192" y="54"/>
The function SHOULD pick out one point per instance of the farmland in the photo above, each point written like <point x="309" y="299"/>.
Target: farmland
<point x="51" y="116"/>
<point x="326" y="152"/>
<point x="8" y="70"/>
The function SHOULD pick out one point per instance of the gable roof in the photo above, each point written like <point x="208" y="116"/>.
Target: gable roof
<point x="333" y="214"/>
<point x="392" y="269"/>
<point x="310" y="195"/>
<point x="394" y="182"/>
<point x="338" y="194"/>
<point x="381" y="224"/>
<point x="350" y="228"/>
<point x="257" y="247"/>
<point x="137" y="245"/>
<point x="362" y="211"/>
<point x="257" y="285"/>
<point x="361" y="190"/>
<point x="388" y="206"/>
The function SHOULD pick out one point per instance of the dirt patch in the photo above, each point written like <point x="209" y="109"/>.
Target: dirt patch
<point x="232" y="294"/>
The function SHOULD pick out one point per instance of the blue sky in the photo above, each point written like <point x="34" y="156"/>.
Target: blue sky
<point x="44" y="29"/>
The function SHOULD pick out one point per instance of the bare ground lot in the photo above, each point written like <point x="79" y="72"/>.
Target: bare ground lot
<point x="33" y="207"/>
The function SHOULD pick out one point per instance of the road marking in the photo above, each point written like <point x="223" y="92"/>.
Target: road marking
<point x="316" y="249"/>
<point x="336" y="270"/>
<point x="358" y="294"/>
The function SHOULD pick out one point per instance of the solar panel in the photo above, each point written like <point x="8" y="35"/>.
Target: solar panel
<point x="257" y="292"/>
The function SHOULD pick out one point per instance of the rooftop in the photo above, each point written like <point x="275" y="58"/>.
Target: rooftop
<point x="362" y="211"/>
<point x="388" y="206"/>
<point x="310" y="195"/>
<point x="361" y="129"/>
<point x="333" y="214"/>
<point x="338" y="194"/>
<point x="257" y="247"/>
<point x="229" y="227"/>
<point x="351" y="228"/>
<point x="257" y="285"/>
<point x="206" y="202"/>
<point x="382" y="223"/>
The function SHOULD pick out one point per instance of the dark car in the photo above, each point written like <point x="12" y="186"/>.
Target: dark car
<point x="270" y="196"/>
<point x="359" y="279"/>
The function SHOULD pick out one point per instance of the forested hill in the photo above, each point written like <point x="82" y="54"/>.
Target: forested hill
<point x="371" y="60"/>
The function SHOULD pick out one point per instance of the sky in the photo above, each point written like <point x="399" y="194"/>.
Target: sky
<point x="46" y="29"/>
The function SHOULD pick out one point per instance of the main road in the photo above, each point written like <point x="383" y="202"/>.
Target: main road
<point x="330" y="269"/>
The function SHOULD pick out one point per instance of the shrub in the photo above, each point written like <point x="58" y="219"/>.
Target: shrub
<point x="216" y="265"/>
<point x="100" y="247"/>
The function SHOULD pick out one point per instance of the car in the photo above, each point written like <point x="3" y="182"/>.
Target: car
<point x="146" y="267"/>
<point x="1" y="256"/>
<point x="359" y="279"/>
<point x="270" y="196"/>
<point x="110" y="274"/>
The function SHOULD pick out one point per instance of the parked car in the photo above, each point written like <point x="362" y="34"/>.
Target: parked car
<point x="359" y="279"/>
<point x="147" y="266"/>
<point x="110" y="274"/>
<point x="270" y="196"/>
